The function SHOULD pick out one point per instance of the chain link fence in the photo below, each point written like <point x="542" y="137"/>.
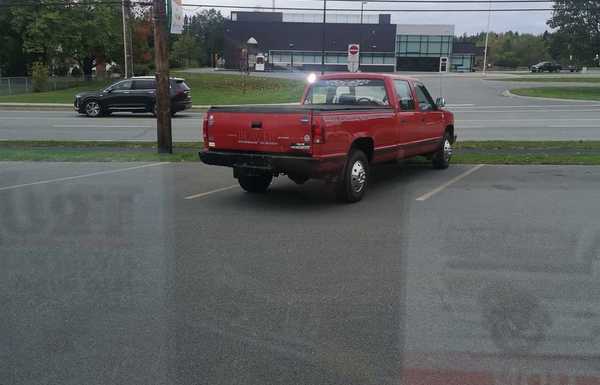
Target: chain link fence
<point x="23" y="85"/>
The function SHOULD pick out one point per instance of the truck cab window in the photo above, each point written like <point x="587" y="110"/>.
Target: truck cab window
<point x="426" y="103"/>
<point x="355" y="92"/>
<point x="404" y="95"/>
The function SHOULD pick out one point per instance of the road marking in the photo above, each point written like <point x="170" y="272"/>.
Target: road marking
<point x="460" y="105"/>
<point x="95" y="126"/>
<point x="424" y="197"/>
<point x="80" y="176"/>
<point x="589" y="104"/>
<point x="511" y="111"/>
<point x="202" y="195"/>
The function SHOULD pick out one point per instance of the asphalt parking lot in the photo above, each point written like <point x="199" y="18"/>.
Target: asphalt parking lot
<point x="169" y="273"/>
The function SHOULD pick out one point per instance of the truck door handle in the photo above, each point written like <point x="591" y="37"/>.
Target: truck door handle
<point x="256" y="125"/>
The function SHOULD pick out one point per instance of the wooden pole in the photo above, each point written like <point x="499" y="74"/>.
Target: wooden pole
<point x="163" y="97"/>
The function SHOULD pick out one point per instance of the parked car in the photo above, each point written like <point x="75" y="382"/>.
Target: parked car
<point x="573" y="68"/>
<point x="137" y="94"/>
<point x="546" y="66"/>
<point x="345" y="124"/>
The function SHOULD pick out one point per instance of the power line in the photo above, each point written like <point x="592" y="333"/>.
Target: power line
<point x="260" y="8"/>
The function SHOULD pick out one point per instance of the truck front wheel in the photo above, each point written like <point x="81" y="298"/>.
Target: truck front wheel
<point x="353" y="182"/>
<point x="255" y="183"/>
<point x="441" y="158"/>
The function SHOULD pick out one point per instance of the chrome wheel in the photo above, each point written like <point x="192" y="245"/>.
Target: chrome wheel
<point x="358" y="176"/>
<point x="447" y="150"/>
<point x="92" y="109"/>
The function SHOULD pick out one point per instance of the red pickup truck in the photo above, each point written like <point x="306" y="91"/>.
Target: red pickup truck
<point x="345" y="123"/>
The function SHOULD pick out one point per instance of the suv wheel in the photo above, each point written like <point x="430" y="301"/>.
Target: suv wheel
<point x="255" y="183"/>
<point x="93" y="109"/>
<point x="354" y="179"/>
<point x="441" y="158"/>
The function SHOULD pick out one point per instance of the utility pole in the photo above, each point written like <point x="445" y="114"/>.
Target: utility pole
<point x="323" y="37"/>
<point x="163" y="100"/>
<point x="487" y="37"/>
<point x="125" y="59"/>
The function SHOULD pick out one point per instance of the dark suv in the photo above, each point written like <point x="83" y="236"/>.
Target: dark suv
<point x="546" y="66"/>
<point x="136" y="94"/>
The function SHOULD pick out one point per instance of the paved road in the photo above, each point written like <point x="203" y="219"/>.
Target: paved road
<point x="110" y="275"/>
<point x="482" y="113"/>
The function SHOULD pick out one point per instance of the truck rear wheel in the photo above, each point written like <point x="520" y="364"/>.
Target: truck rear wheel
<point x="353" y="182"/>
<point x="255" y="183"/>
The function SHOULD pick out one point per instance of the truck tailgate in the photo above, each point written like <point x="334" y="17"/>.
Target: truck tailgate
<point x="272" y="130"/>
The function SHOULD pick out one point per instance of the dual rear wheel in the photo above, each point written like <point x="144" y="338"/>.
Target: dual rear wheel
<point x="354" y="179"/>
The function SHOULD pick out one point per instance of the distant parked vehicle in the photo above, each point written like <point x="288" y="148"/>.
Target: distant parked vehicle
<point x="137" y="94"/>
<point x="573" y="68"/>
<point x="546" y="66"/>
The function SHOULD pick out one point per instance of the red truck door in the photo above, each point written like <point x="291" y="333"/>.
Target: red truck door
<point x="432" y="121"/>
<point x="408" y="120"/>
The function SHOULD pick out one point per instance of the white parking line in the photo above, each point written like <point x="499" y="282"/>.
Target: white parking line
<point x="94" y="126"/>
<point x="80" y="176"/>
<point x="428" y="195"/>
<point x="202" y="195"/>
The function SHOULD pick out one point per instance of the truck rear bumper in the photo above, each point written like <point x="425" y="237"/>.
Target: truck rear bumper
<point x="273" y="163"/>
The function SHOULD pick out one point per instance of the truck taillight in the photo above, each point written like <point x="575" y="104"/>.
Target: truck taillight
<point x="205" y="125"/>
<point x="318" y="132"/>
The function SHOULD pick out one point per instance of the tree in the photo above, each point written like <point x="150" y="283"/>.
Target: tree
<point x="184" y="51"/>
<point x="578" y="28"/>
<point x="208" y="28"/>
<point x="72" y="31"/>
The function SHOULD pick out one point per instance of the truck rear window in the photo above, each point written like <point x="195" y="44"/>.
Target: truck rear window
<point x="366" y="92"/>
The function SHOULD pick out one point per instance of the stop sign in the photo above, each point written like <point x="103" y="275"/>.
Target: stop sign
<point x="353" y="49"/>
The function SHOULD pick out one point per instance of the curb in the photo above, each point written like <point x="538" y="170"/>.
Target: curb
<point x="509" y="94"/>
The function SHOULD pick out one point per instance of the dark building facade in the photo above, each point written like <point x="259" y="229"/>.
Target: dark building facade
<point x="294" y="41"/>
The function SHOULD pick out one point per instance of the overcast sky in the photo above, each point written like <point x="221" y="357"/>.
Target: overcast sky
<point x="471" y="22"/>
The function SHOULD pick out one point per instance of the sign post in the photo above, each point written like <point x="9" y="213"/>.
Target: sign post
<point x="176" y="16"/>
<point x="353" y="57"/>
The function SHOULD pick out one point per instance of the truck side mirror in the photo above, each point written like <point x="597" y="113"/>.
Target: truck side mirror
<point x="440" y="102"/>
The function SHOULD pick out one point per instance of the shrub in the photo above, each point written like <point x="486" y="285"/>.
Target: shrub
<point x="39" y="77"/>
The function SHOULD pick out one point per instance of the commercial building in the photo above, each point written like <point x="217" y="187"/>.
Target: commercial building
<point x="293" y="40"/>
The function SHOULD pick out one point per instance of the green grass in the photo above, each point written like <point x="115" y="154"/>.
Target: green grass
<point x="489" y="152"/>
<point x="57" y="151"/>
<point x="581" y="93"/>
<point x="207" y="89"/>
<point x="562" y="79"/>
<point x="217" y="89"/>
<point x="60" y="96"/>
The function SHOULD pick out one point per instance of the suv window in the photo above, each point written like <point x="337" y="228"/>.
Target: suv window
<point x="404" y="95"/>
<point x="425" y="101"/>
<point x="179" y="85"/>
<point x="124" y="85"/>
<point x="144" y="85"/>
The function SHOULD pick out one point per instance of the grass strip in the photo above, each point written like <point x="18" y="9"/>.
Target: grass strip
<point x="580" y="93"/>
<point x="534" y="79"/>
<point x="206" y="89"/>
<point x="489" y="152"/>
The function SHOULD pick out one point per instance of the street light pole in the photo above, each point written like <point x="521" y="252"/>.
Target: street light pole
<point x="125" y="59"/>
<point x="163" y="99"/>
<point x="323" y="37"/>
<point x="362" y="10"/>
<point x="487" y="37"/>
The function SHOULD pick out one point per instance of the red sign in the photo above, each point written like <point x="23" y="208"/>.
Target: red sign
<point x="353" y="50"/>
